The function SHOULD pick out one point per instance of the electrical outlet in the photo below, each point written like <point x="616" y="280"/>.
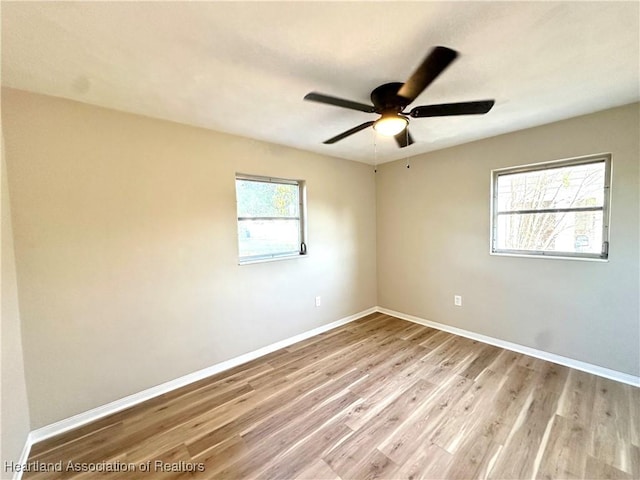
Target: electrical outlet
<point x="457" y="300"/>
<point x="318" y="301"/>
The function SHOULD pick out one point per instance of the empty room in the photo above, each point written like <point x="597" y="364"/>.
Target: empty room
<point x="320" y="240"/>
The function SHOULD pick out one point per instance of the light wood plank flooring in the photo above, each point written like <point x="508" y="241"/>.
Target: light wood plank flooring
<point x="376" y="398"/>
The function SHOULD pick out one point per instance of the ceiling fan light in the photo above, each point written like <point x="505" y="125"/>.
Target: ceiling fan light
<point x="390" y="125"/>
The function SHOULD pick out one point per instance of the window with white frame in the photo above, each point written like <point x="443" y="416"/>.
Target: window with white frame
<point x="271" y="222"/>
<point x="556" y="209"/>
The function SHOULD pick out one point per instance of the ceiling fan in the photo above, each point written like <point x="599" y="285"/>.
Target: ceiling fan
<point x="389" y="101"/>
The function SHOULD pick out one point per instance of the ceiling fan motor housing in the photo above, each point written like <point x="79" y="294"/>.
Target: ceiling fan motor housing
<point x="386" y="98"/>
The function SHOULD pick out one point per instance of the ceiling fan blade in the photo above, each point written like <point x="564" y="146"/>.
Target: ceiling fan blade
<point x="432" y="66"/>
<point x="446" y="109"/>
<point x="339" y="102"/>
<point x="404" y="138"/>
<point x="348" y="132"/>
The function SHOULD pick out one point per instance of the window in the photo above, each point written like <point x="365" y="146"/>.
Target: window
<point x="557" y="209"/>
<point x="270" y="218"/>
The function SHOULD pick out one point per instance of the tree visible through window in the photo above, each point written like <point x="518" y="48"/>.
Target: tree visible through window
<point x="555" y="209"/>
<point x="270" y="218"/>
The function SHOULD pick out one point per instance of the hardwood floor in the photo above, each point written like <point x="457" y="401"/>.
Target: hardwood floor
<point x="376" y="398"/>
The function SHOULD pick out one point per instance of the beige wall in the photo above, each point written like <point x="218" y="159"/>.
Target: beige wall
<point x="433" y="242"/>
<point x="14" y="416"/>
<point x="125" y="241"/>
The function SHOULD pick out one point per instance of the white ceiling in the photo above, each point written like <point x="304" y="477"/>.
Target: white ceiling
<point x="244" y="67"/>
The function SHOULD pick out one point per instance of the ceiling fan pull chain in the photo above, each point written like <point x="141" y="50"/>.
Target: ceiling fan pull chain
<point x="406" y="132"/>
<point x="375" y="153"/>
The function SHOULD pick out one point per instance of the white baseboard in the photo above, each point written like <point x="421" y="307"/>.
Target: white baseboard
<point x="541" y="354"/>
<point x="131" y="400"/>
<point x="24" y="456"/>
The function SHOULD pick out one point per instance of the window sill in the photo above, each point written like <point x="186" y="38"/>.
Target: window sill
<point x="271" y="259"/>
<point x="550" y="257"/>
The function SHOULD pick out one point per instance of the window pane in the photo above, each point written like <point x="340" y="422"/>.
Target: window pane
<point x="262" y="199"/>
<point x="562" y="187"/>
<point x="268" y="237"/>
<point x="573" y="232"/>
